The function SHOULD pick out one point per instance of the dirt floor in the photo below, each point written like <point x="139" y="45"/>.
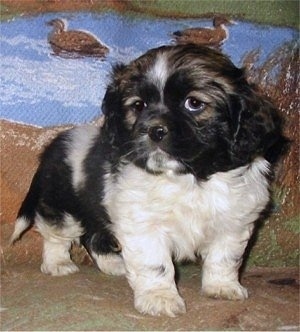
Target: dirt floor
<point x="91" y="300"/>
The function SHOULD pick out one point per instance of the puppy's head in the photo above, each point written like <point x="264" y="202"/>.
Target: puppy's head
<point x="187" y="109"/>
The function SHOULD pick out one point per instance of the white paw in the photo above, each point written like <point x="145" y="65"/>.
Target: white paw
<point x="227" y="291"/>
<point x="61" y="269"/>
<point x="110" y="263"/>
<point x="160" y="301"/>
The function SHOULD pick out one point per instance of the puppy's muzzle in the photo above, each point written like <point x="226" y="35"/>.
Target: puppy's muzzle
<point x="157" y="133"/>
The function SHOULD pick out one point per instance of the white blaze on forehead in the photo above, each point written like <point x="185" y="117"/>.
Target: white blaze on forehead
<point x="159" y="72"/>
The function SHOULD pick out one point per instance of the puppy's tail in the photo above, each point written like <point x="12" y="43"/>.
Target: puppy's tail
<point x="26" y="214"/>
<point x="21" y="226"/>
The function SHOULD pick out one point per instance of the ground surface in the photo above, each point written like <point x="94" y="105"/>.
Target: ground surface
<point x="90" y="300"/>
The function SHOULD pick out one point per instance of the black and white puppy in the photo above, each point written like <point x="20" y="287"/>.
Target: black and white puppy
<point x="179" y="169"/>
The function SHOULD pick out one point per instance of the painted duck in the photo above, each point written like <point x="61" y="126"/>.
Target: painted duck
<point x="205" y="36"/>
<point x="74" y="42"/>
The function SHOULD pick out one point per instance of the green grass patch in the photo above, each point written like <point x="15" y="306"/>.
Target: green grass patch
<point x="293" y="224"/>
<point x="274" y="12"/>
<point x="5" y="13"/>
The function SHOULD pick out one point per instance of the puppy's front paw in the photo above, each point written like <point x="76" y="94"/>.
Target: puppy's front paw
<point x="228" y="291"/>
<point x="160" y="301"/>
<point x="59" y="269"/>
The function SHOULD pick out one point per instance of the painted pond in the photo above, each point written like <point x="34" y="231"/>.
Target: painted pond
<point x="41" y="89"/>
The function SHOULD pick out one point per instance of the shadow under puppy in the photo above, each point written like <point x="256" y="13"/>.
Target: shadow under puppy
<point x="179" y="169"/>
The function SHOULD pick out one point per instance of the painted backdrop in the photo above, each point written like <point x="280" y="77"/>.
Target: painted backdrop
<point x="44" y="91"/>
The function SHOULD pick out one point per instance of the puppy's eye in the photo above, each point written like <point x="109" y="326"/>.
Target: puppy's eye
<point x="193" y="104"/>
<point x="139" y="105"/>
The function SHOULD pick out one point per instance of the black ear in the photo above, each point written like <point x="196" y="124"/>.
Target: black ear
<point x="256" y="127"/>
<point x="111" y="108"/>
<point x="111" y="98"/>
<point x="113" y="131"/>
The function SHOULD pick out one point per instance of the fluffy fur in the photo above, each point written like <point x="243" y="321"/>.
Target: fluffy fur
<point x="179" y="169"/>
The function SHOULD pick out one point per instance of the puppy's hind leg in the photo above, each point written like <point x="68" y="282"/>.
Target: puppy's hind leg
<point x="57" y="244"/>
<point x="105" y="250"/>
<point x="110" y="263"/>
<point x="56" y="257"/>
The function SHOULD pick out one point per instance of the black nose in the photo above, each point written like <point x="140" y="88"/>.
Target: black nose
<point x="157" y="133"/>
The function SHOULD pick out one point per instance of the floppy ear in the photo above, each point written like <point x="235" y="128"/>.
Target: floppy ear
<point x="113" y="130"/>
<point x="256" y="127"/>
<point x="111" y="98"/>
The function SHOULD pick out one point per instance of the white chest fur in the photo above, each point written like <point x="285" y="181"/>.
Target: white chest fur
<point x="187" y="214"/>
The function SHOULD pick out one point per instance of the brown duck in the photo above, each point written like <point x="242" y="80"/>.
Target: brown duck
<point x="74" y="43"/>
<point x="205" y="36"/>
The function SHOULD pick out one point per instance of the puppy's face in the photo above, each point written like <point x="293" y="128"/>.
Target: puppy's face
<point x="186" y="109"/>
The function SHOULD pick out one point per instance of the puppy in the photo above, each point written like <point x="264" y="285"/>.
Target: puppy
<point x="179" y="169"/>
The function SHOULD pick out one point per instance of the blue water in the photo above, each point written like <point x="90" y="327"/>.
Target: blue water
<point x="40" y="89"/>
